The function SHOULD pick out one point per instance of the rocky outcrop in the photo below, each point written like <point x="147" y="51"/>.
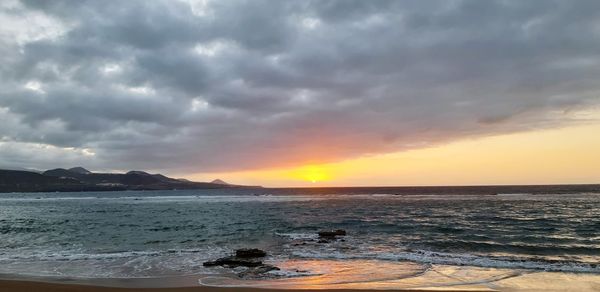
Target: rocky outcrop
<point x="332" y="234"/>
<point x="234" y="262"/>
<point x="250" y="258"/>
<point x="257" y="272"/>
<point x="325" y="236"/>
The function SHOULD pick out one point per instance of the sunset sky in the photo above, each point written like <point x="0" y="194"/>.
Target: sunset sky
<point x="305" y="93"/>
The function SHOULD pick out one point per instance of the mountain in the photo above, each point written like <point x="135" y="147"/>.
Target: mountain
<point x="27" y="181"/>
<point x="224" y="183"/>
<point x="61" y="172"/>
<point x="81" y="179"/>
<point x="218" y="181"/>
<point x="79" y="170"/>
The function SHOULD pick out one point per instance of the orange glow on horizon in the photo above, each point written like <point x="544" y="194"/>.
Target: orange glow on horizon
<point x="311" y="173"/>
<point x="555" y="156"/>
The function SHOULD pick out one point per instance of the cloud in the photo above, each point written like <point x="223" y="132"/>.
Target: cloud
<point x="229" y="85"/>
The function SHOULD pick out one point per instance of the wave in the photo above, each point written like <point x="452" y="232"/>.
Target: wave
<point x="547" y="248"/>
<point x="76" y="256"/>
<point x="298" y="236"/>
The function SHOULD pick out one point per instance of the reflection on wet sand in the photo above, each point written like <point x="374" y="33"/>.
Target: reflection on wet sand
<point x="369" y="274"/>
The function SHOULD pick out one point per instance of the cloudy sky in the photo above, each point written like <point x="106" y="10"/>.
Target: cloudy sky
<point x="192" y="87"/>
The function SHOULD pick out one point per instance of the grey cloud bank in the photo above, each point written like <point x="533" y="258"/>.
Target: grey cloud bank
<point x="192" y="86"/>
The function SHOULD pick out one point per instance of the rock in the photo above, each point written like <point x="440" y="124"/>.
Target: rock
<point x="332" y="234"/>
<point x="250" y="253"/>
<point x="233" y="261"/>
<point x="257" y="271"/>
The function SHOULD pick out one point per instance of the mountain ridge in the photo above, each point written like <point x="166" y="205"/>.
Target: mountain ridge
<point x="81" y="179"/>
<point x="79" y="169"/>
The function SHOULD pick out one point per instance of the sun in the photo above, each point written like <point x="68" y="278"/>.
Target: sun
<point x="313" y="174"/>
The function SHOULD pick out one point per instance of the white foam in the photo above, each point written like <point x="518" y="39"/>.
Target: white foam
<point x="127" y="264"/>
<point x="298" y="236"/>
<point x="75" y="256"/>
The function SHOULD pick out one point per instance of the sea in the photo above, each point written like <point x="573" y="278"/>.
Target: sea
<point x="152" y="234"/>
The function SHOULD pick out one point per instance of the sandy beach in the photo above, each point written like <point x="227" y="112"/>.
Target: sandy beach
<point x="540" y="282"/>
<point x="438" y="278"/>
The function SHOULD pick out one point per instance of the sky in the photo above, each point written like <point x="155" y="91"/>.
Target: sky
<point x="305" y="93"/>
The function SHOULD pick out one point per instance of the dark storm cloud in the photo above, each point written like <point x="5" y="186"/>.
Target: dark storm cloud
<point x="227" y="85"/>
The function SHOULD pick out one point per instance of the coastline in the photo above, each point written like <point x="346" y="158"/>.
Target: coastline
<point x="23" y="285"/>
<point x="531" y="282"/>
<point x="437" y="278"/>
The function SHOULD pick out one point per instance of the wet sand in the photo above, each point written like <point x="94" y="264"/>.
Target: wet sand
<point x="28" y="286"/>
<point x="336" y="276"/>
<point x="524" y="284"/>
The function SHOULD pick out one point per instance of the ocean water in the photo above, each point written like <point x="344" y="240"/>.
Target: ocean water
<point x="171" y="233"/>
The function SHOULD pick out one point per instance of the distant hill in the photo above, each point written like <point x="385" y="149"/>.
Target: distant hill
<point x="79" y="170"/>
<point x="27" y="181"/>
<point x="61" y="172"/>
<point x="81" y="179"/>
<point x="218" y="181"/>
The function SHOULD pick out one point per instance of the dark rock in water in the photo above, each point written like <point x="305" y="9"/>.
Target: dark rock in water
<point x="332" y="234"/>
<point x="267" y="268"/>
<point x="245" y="257"/>
<point x="257" y="271"/>
<point x="323" y="241"/>
<point x="250" y="253"/>
<point x="233" y="261"/>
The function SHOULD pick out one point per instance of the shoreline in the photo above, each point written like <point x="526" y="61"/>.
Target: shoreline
<point x="25" y="285"/>
<point x="436" y="278"/>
